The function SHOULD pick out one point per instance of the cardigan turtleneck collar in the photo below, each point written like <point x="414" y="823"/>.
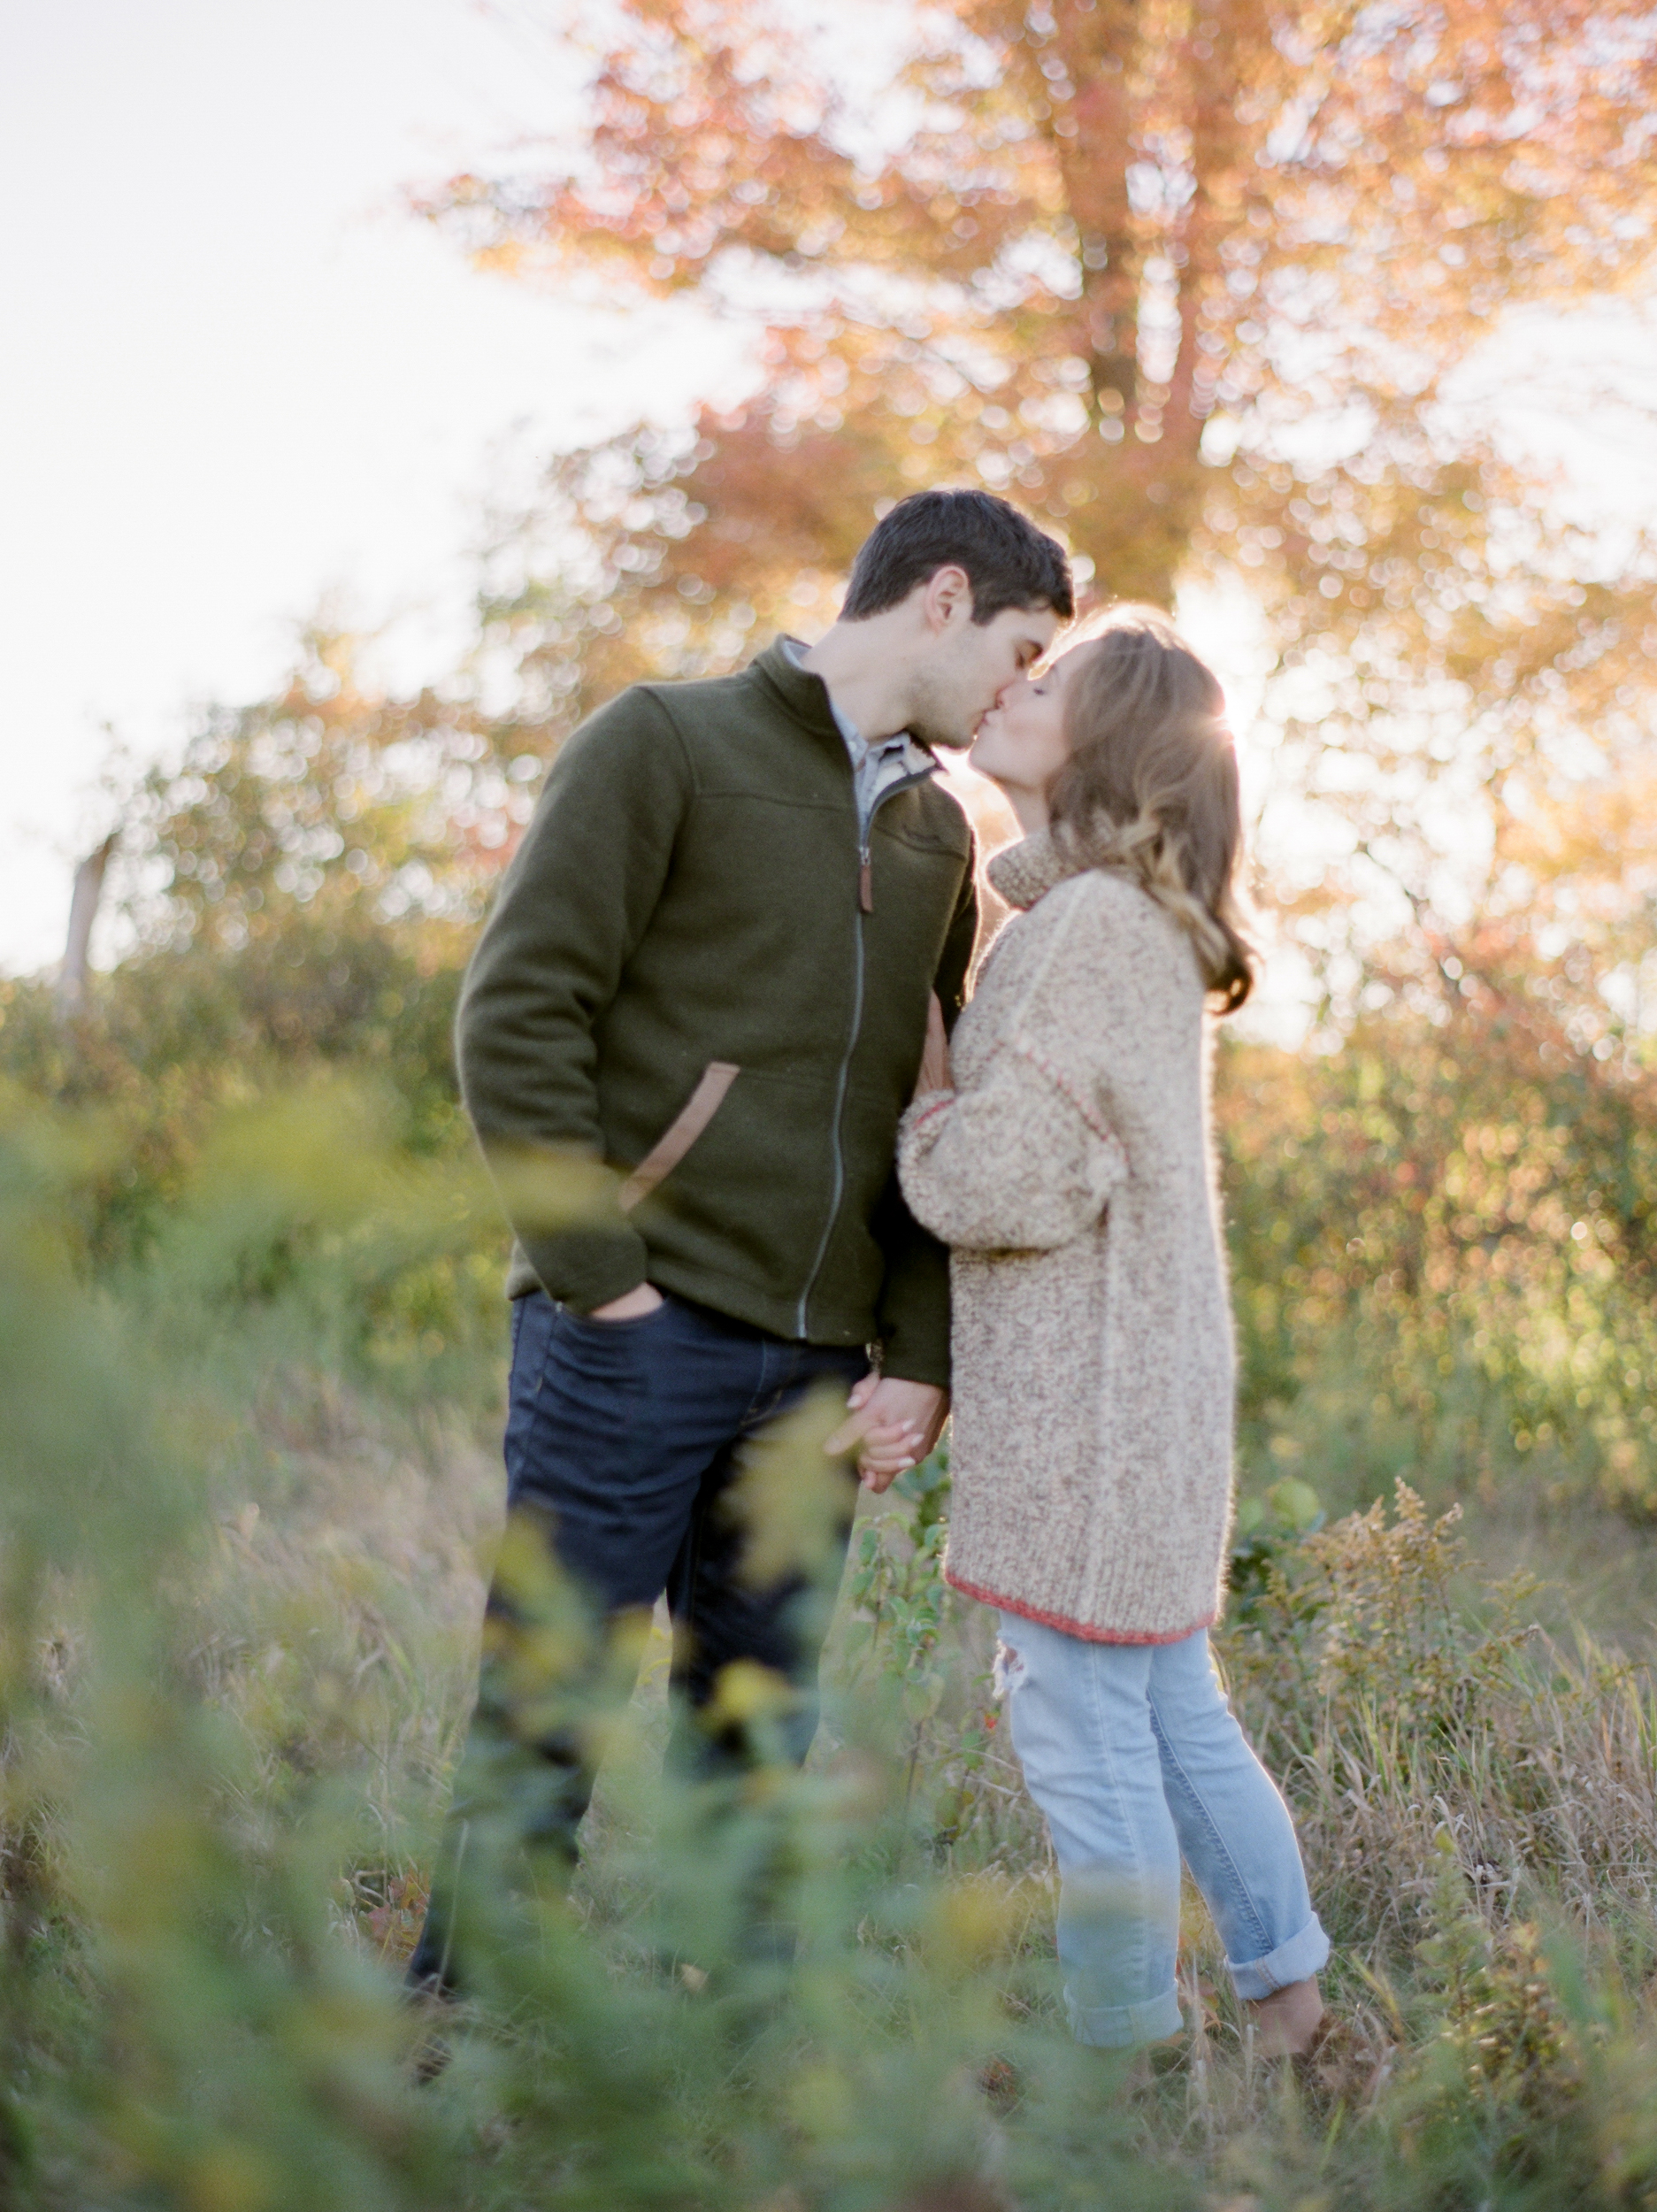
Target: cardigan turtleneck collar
<point x="1026" y="871"/>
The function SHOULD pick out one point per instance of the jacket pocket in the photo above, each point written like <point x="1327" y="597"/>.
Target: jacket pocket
<point x="680" y="1133"/>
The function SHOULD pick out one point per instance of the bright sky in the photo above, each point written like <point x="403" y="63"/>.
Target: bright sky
<point x="236" y="376"/>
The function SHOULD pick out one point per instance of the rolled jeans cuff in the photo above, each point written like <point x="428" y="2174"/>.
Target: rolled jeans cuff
<point x="1295" y="1961"/>
<point x="1117" y="2027"/>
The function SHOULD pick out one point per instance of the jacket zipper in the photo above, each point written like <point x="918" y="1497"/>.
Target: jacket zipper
<point x="866" y="906"/>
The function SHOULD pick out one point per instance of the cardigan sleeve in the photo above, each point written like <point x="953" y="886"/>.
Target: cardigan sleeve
<point x="1012" y="1165"/>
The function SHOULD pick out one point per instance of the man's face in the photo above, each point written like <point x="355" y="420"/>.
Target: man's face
<point x="970" y="667"/>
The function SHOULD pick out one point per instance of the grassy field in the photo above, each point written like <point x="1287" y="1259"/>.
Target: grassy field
<point x="251" y="1482"/>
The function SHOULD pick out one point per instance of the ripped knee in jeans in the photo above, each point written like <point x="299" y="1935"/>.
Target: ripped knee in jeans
<point x="1008" y="1672"/>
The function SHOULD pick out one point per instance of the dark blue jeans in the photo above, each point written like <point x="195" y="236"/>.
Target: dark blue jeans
<point x="625" y="1442"/>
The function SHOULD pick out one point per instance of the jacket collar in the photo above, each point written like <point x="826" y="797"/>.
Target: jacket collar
<point x="804" y="696"/>
<point x="1026" y="871"/>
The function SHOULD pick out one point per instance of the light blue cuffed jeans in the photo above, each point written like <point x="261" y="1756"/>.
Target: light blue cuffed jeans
<point x="1133" y="1753"/>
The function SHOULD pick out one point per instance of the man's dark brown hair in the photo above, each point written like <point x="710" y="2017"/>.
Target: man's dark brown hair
<point x="1009" y="561"/>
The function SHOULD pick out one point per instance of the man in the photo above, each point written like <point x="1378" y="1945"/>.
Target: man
<point x="709" y="969"/>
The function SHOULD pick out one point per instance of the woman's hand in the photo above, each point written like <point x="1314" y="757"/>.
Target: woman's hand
<point x="934" y="1075"/>
<point x="892" y="1426"/>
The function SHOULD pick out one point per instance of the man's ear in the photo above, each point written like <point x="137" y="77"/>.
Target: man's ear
<point x="946" y="597"/>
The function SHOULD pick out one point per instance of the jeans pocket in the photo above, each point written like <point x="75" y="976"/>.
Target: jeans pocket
<point x="608" y="1361"/>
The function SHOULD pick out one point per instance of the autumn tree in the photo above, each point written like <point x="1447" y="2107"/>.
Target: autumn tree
<point x="1190" y="280"/>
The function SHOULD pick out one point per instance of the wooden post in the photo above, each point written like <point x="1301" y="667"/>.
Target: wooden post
<point x="83" y="907"/>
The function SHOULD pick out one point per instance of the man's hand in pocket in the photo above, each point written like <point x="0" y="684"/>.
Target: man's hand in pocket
<point x="633" y="1305"/>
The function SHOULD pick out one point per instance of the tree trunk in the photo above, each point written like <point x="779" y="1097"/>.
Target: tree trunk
<point x="83" y="907"/>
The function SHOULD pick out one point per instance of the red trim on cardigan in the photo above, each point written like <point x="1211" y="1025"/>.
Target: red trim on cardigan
<point x="1050" y="1070"/>
<point x="1065" y="1627"/>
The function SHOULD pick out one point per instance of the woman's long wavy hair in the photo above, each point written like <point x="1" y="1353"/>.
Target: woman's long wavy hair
<point x="1151" y="784"/>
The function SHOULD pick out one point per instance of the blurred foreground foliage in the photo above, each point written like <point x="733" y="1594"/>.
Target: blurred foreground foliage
<point x="241" y="1585"/>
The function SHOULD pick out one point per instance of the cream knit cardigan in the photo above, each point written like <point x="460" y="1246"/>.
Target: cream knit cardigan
<point x="1070" y="1170"/>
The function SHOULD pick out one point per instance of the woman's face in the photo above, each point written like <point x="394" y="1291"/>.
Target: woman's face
<point x="1020" y="743"/>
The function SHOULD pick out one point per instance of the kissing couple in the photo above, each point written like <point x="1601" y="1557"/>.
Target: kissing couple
<point x="727" y="974"/>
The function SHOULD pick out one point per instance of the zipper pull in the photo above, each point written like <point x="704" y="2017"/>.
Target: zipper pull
<point x="866" y="885"/>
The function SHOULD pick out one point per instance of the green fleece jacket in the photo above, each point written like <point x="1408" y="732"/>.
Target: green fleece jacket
<point x="694" y="887"/>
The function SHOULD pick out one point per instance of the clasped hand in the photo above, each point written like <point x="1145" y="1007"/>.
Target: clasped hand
<point x="893" y="1424"/>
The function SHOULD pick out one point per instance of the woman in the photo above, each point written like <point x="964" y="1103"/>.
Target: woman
<point x="1069" y="1167"/>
